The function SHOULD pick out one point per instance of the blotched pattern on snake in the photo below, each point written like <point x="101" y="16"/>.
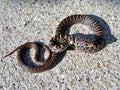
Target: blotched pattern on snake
<point x="60" y="42"/>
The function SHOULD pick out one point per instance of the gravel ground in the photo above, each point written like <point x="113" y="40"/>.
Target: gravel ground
<point x="36" y="20"/>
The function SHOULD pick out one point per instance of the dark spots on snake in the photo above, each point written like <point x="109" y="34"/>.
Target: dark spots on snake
<point x="77" y="43"/>
<point x="87" y="48"/>
<point x="86" y="44"/>
<point x="83" y="49"/>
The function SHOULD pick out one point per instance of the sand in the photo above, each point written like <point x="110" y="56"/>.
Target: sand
<point x="24" y="21"/>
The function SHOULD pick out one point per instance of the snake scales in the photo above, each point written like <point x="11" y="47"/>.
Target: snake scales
<point x="81" y="43"/>
<point x="60" y="42"/>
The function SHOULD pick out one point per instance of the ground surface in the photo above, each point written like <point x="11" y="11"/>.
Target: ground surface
<point x="36" y="20"/>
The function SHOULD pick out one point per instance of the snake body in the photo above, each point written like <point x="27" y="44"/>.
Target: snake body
<point x="43" y="65"/>
<point x="61" y="40"/>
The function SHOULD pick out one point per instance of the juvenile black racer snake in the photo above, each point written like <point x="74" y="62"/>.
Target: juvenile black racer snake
<point x="61" y="41"/>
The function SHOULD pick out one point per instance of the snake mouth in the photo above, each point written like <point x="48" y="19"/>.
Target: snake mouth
<point x="56" y="50"/>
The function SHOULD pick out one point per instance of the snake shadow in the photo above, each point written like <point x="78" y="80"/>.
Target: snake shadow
<point x="110" y="38"/>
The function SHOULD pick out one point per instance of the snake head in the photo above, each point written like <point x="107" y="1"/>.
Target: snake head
<point x="58" y="47"/>
<point x="58" y="44"/>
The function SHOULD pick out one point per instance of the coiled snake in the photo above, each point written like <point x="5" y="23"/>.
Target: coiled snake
<point x="60" y="42"/>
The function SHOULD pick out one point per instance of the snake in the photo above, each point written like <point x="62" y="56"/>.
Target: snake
<point x="61" y="41"/>
<point x="42" y="65"/>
